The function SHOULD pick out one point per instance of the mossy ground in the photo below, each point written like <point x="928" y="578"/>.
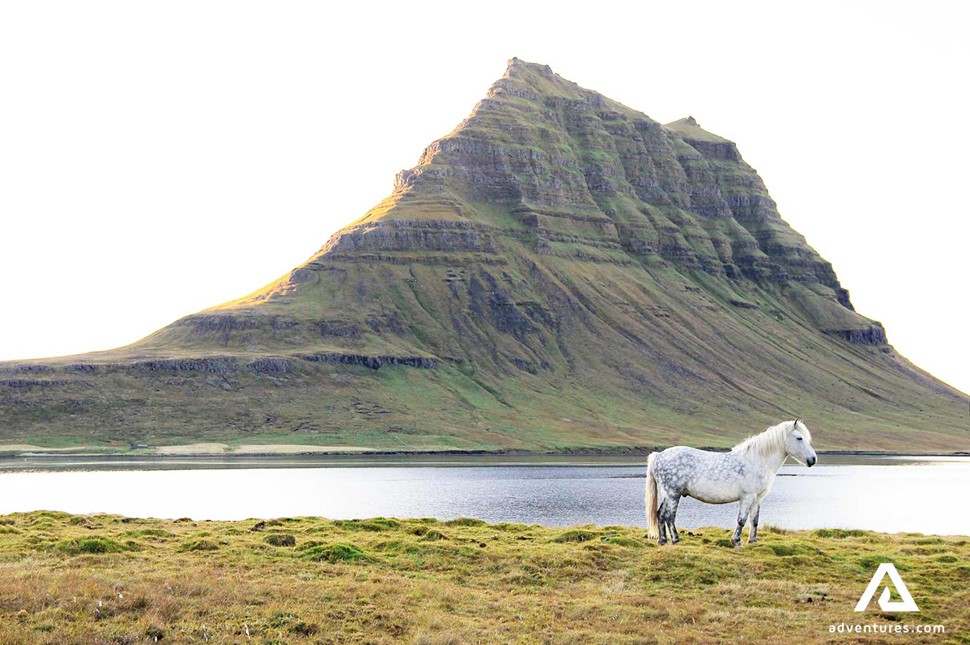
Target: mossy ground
<point x="110" y="579"/>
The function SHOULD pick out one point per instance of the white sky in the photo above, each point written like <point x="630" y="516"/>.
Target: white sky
<point x="160" y="158"/>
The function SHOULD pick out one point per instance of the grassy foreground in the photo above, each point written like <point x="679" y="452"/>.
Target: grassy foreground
<point x="110" y="579"/>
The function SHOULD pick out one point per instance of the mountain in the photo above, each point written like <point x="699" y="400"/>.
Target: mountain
<point x="559" y="272"/>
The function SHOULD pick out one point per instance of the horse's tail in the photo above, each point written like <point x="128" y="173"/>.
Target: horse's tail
<point x="653" y="524"/>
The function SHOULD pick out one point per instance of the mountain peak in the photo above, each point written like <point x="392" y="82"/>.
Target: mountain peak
<point x="517" y="66"/>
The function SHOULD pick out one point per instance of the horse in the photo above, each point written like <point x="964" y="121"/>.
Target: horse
<point x="745" y="475"/>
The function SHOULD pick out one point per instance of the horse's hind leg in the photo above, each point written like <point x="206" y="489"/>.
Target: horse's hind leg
<point x="667" y="515"/>
<point x="662" y="520"/>
<point x="672" y="503"/>
<point x="755" y="512"/>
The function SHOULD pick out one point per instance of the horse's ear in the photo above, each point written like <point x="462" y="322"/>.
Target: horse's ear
<point x="796" y="422"/>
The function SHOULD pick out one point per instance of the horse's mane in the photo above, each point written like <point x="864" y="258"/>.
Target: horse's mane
<point x="767" y="443"/>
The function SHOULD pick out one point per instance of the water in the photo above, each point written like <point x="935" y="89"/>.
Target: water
<point x="891" y="494"/>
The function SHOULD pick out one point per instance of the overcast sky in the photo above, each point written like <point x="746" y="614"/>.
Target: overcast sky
<point x="160" y="158"/>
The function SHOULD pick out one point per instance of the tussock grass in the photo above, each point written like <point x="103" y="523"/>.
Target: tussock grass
<point x="280" y="539"/>
<point x="110" y="579"/>
<point x="839" y="533"/>
<point x="77" y="546"/>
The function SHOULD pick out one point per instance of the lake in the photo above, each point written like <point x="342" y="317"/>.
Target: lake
<point x="876" y="493"/>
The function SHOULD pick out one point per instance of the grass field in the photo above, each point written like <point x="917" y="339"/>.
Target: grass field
<point x="110" y="579"/>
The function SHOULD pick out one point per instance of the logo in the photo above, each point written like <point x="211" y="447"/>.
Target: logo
<point x="906" y="604"/>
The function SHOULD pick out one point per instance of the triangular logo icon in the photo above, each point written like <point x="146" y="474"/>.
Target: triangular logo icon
<point x="906" y="604"/>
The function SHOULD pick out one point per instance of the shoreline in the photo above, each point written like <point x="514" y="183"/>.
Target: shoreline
<point x="269" y="451"/>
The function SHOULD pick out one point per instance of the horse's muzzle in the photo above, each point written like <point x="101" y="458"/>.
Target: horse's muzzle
<point x="810" y="461"/>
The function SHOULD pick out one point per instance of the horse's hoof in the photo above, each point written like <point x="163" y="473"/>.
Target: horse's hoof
<point x="736" y="544"/>
<point x="662" y="542"/>
<point x="752" y="541"/>
<point x="675" y="541"/>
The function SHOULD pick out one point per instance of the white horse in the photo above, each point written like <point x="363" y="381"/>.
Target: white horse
<point x="745" y="474"/>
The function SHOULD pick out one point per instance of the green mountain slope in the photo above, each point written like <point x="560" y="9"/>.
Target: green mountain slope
<point x="559" y="272"/>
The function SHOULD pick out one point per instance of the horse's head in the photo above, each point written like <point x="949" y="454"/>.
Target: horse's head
<point x="798" y="443"/>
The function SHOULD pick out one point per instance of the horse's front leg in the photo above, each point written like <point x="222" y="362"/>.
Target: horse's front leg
<point x="743" y="510"/>
<point x="755" y="512"/>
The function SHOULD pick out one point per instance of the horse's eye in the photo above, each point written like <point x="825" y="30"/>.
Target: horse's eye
<point x="799" y="438"/>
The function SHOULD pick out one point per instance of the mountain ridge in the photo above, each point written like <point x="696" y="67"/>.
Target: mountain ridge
<point x="555" y="245"/>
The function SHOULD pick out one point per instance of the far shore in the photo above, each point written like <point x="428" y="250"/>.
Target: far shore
<point x="223" y="450"/>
